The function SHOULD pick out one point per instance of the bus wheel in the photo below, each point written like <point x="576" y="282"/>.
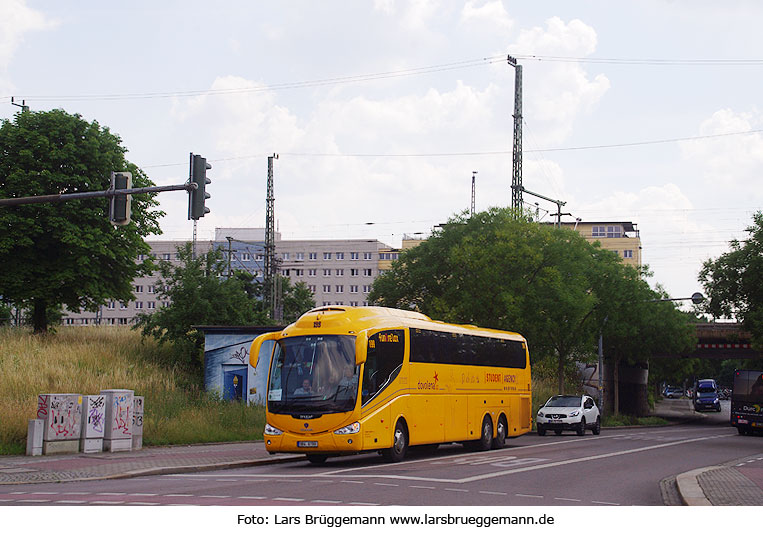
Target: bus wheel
<point x="317" y="459"/>
<point x="741" y="430"/>
<point x="396" y="453"/>
<point x="486" y="435"/>
<point x="500" y="434"/>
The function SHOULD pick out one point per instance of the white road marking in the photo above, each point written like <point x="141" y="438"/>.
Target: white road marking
<point x="363" y="503"/>
<point x="493" y="493"/>
<point x="176" y="495"/>
<point x="104" y="502"/>
<point x="387" y="484"/>
<point x="214" y="496"/>
<point x="144" y="494"/>
<point x="421" y="487"/>
<point x="457" y="490"/>
<point x="288" y="500"/>
<point x="110" y="493"/>
<point x="528" y="496"/>
<point x="604" y="503"/>
<point x="142" y="503"/>
<point x="33" y="501"/>
<point x="568" y="500"/>
<point x="325" y="501"/>
<point x="251" y="497"/>
<point x="67" y="502"/>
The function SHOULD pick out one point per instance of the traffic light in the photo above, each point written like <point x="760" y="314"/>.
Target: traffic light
<point x="197" y="197"/>
<point x="119" y="205"/>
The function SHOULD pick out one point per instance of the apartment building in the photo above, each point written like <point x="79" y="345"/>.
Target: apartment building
<point x="621" y="238"/>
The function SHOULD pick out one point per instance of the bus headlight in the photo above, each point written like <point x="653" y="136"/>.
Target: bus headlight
<point x="348" y="430"/>
<point x="270" y="430"/>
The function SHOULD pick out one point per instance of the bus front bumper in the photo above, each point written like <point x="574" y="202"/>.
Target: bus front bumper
<point x="323" y="443"/>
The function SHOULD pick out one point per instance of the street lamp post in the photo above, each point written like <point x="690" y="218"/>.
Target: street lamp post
<point x="696" y="298"/>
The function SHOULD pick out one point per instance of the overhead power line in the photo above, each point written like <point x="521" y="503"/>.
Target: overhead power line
<point x="415" y="71"/>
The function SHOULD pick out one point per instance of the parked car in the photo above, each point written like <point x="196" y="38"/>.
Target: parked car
<point x="673" y="392"/>
<point x="571" y="413"/>
<point x="706" y="397"/>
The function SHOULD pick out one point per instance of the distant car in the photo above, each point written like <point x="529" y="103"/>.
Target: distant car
<point x="571" y="413"/>
<point x="707" y="396"/>
<point x="673" y="392"/>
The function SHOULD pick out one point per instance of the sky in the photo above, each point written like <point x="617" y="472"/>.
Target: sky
<point x="381" y="110"/>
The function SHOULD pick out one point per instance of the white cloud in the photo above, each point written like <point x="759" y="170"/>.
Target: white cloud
<point x="413" y="15"/>
<point x="490" y="12"/>
<point x="731" y="164"/>
<point x="16" y="20"/>
<point x="555" y="94"/>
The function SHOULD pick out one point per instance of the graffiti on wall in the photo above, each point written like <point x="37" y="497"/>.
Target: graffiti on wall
<point x="96" y="415"/>
<point x="64" y="416"/>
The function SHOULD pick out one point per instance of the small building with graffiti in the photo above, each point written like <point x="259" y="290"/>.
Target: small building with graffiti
<point x="226" y="362"/>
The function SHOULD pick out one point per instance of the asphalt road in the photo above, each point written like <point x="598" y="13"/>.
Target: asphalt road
<point x="618" y="467"/>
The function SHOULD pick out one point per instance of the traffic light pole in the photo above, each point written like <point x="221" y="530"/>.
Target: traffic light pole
<point x="54" y="198"/>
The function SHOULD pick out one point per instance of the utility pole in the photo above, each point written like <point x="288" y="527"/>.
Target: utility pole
<point x="474" y="175"/>
<point x="558" y="203"/>
<point x="22" y="105"/>
<point x="270" y="272"/>
<point x="516" y="169"/>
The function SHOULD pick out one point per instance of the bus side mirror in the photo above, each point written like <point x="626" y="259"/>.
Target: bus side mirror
<point x="254" y="351"/>
<point x="361" y="347"/>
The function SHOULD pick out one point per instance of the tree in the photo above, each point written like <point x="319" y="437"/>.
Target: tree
<point x="733" y="283"/>
<point x="495" y="271"/>
<point x="67" y="253"/>
<point x="549" y="284"/>
<point x="296" y="299"/>
<point x="198" y="293"/>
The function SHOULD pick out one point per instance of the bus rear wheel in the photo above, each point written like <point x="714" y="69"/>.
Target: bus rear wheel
<point x="500" y="434"/>
<point x="317" y="459"/>
<point x="397" y="452"/>
<point x="486" y="435"/>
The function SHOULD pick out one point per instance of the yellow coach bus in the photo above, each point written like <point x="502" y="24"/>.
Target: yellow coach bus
<point x="352" y="379"/>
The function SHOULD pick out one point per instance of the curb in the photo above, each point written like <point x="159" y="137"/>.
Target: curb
<point x="688" y="487"/>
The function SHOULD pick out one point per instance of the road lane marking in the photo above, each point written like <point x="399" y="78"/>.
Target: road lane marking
<point x="387" y="484"/>
<point x="528" y="496"/>
<point x="252" y="497"/>
<point x="604" y="503"/>
<point x="288" y="500"/>
<point x="568" y="500"/>
<point x="421" y="487"/>
<point x="494" y="493"/>
<point x="67" y="502"/>
<point x="325" y="501"/>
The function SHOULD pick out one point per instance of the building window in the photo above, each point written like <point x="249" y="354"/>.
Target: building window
<point x="111" y="305"/>
<point x="151" y="289"/>
<point x="138" y="305"/>
<point x="367" y="255"/>
<point x="628" y="254"/>
<point x="366" y="289"/>
<point x="340" y="289"/>
<point x="354" y="256"/>
<point x="311" y="288"/>
<point x="177" y="257"/>
<point x="122" y="305"/>
<point x="141" y="257"/>
<point x="300" y="256"/>
<point x="327" y="288"/>
<point x="286" y="256"/>
<point x="388" y="256"/>
<point x="246" y="257"/>
<point x="151" y="305"/>
<point x="167" y="256"/>
<point x="338" y="303"/>
<point x="354" y="272"/>
<point x="353" y="289"/>
<point x="340" y="272"/>
<point x="165" y="304"/>
<point x="139" y="288"/>
<point x="311" y="272"/>
<point x="123" y="321"/>
<point x="614" y="232"/>
<point x="259" y="257"/>
<point x="297" y="272"/>
<point x="285" y="271"/>
<point x="367" y="272"/>
<point x="326" y="272"/>
<point x="326" y="255"/>
<point x="313" y="256"/>
<point x="353" y="304"/>
<point x="340" y="255"/>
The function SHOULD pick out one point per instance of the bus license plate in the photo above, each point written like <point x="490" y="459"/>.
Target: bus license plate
<point x="307" y="444"/>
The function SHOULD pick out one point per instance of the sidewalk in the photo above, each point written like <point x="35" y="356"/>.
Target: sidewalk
<point x="737" y="483"/>
<point x="147" y="461"/>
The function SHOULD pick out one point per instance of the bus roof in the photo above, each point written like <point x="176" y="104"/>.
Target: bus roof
<point x="343" y="319"/>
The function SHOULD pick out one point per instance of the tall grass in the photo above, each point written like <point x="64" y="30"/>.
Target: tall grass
<point x="90" y="359"/>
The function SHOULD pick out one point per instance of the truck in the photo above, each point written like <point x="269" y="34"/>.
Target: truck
<point x="747" y="401"/>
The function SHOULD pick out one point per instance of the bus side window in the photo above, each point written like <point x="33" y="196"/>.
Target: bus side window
<point x="383" y="363"/>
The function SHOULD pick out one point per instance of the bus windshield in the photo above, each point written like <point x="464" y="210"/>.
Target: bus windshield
<point x="313" y="374"/>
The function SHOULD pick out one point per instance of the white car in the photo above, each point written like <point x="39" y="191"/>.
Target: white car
<point x="573" y="413"/>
